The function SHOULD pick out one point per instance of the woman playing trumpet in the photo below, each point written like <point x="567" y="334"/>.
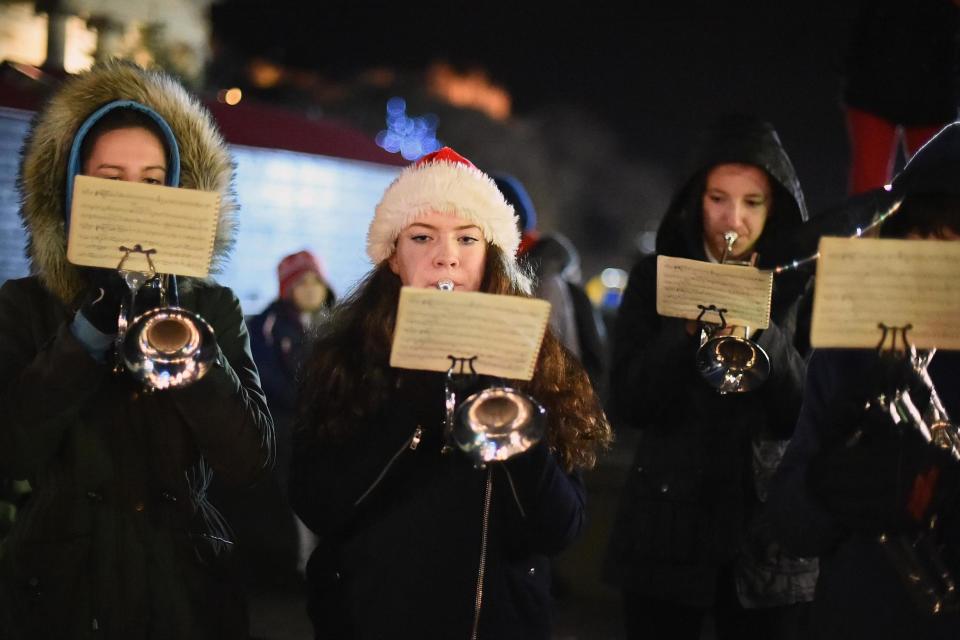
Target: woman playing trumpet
<point x="690" y="537"/>
<point x="119" y="539"/>
<point x="407" y="543"/>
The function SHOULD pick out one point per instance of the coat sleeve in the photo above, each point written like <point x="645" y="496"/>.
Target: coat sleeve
<point x="226" y="409"/>
<point x="545" y="507"/>
<point x="652" y="355"/>
<point x="42" y="389"/>
<point x="803" y="525"/>
<point x="782" y="393"/>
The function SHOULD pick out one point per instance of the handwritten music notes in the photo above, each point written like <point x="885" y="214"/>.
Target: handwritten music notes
<point x="862" y="282"/>
<point x="504" y="332"/>
<point x="743" y="291"/>
<point x="179" y="224"/>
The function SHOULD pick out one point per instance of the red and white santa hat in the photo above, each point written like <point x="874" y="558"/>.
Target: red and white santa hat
<point x="442" y="182"/>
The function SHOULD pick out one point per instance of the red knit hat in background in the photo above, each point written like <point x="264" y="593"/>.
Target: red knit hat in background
<point x="442" y="182"/>
<point x="292" y="267"/>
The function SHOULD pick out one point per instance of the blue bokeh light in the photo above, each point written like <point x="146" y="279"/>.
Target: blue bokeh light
<point x="411" y="137"/>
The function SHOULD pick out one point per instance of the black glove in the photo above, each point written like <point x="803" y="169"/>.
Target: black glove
<point x="102" y="304"/>
<point x="885" y="478"/>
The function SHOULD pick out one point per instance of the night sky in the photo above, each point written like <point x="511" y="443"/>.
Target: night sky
<point x="655" y="74"/>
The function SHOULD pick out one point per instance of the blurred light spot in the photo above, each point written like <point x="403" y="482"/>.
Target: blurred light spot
<point x="379" y="77"/>
<point x="23" y="38"/>
<point x="614" y="278"/>
<point x="264" y="74"/>
<point x="396" y="106"/>
<point x="230" y="96"/>
<point x="472" y="89"/>
<point x="647" y="241"/>
<point x="605" y="290"/>
<point x="79" y="47"/>
<point x="413" y="136"/>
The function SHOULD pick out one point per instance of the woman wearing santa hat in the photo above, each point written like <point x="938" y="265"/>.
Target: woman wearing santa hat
<point x="413" y="538"/>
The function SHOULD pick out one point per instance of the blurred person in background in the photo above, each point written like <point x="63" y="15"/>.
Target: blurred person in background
<point x="850" y="474"/>
<point x="691" y="537"/>
<point x="119" y="538"/>
<point x="272" y="542"/>
<point x="555" y="266"/>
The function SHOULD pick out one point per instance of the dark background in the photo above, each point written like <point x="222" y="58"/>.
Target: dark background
<point x="654" y="73"/>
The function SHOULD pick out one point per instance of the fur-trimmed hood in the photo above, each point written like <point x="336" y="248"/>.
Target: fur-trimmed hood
<point x="204" y="160"/>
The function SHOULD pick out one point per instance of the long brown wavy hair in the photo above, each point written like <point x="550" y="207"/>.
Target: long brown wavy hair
<point x="347" y="377"/>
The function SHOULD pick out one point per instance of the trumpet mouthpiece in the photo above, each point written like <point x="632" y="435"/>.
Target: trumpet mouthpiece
<point x="445" y="285"/>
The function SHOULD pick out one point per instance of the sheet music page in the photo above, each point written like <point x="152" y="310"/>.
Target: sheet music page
<point x="179" y="224"/>
<point x="744" y="292"/>
<point x="864" y="281"/>
<point x="504" y="332"/>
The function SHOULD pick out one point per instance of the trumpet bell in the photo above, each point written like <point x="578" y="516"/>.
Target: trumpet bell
<point x="497" y="423"/>
<point x="168" y="347"/>
<point x="732" y="364"/>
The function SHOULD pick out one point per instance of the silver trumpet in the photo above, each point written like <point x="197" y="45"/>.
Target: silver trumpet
<point x="165" y="347"/>
<point x="917" y="557"/>
<point x="493" y="424"/>
<point x="730" y="363"/>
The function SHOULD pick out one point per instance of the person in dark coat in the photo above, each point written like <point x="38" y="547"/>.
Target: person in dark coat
<point x="280" y="336"/>
<point x="849" y="474"/>
<point x="119" y="538"/>
<point x="690" y="536"/>
<point x="555" y="266"/>
<point x="272" y="544"/>
<point x="415" y="541"/>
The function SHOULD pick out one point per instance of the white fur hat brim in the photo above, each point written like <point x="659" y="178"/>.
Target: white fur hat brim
<point x="447" y="187"/>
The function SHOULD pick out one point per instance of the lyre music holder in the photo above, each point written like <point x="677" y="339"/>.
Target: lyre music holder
<point x="137" y="249"/>
<point x="714" y="308"/>
<point x="893" y="332"/>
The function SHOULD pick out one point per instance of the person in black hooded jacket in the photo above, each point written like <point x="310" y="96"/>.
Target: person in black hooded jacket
<point x="835" y="493"/>
<point x="690" y="535"/>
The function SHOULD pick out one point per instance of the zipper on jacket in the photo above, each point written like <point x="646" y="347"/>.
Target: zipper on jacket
<point x="478" y="602"/>
<point x="415" y="438"/>
<point x="411" y="443"/>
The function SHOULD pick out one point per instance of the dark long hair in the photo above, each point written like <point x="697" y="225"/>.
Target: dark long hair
<point x="347" y="377"/>
<point x="926" y="214"/>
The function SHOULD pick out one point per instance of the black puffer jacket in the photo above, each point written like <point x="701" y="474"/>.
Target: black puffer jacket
<point x="691" y="495"/>
<point x="401" y="521"/>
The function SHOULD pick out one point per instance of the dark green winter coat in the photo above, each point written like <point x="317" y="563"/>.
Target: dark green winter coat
<point x="118" y="539"/>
